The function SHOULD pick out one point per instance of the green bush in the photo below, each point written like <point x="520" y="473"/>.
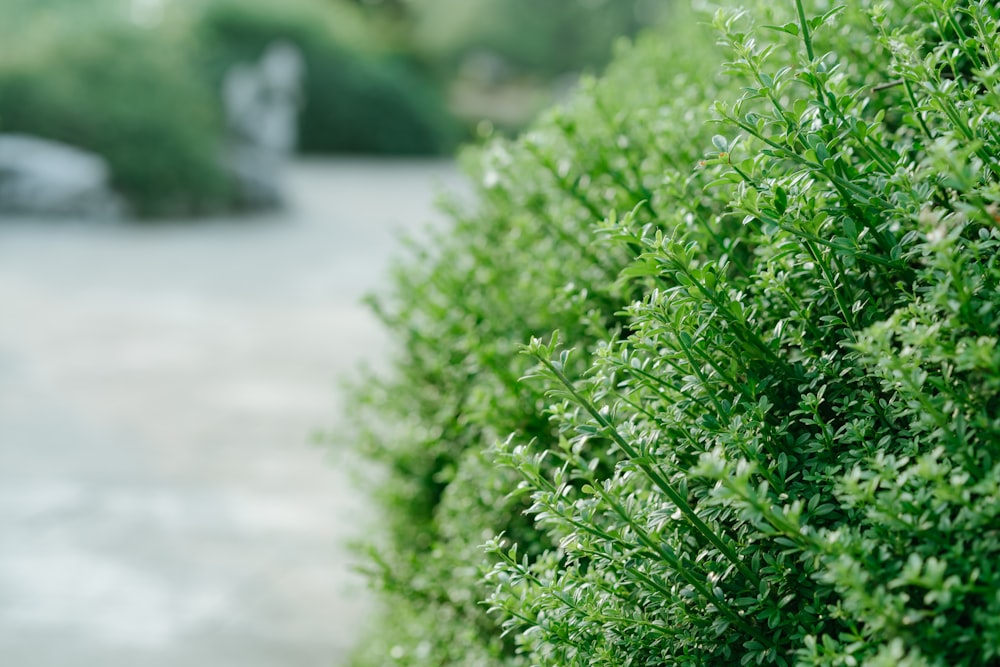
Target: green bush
<point x="768" y="431"/>
<point x="147" y="113"/>
<point x="146" y="96"/>
<point x="358" y="98"/>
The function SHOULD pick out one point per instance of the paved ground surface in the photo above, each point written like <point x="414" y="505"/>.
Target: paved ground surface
<point x="160" y="501"/>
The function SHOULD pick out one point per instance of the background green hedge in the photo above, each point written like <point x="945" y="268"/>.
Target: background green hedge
<point x="93" y="81"/>
<point x="362" y="95"/>
<point x="146" y="96"/>
<point x="771" y="246"/>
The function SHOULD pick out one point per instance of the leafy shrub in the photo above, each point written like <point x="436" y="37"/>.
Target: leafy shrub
<point x="767" y="431"/>
<point x="357" y="98"/>
<point x="146" y="113"/>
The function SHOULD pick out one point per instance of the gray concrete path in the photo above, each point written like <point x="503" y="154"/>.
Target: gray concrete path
<point x="160" y="502"/>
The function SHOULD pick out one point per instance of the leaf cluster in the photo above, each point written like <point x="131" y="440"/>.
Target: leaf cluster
<point x="767" y="430"/>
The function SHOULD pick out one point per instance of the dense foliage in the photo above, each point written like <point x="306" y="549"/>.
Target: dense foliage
<point x="768" y="430"/>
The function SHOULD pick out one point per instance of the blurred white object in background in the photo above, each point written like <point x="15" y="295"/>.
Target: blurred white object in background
<point x="262" y="103"/>
<point x="281" y="69"/>
<point x="44" y="177"/>
<point x="262" y="99"/>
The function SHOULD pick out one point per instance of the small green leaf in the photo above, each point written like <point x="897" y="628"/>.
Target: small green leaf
<point x="789" y="28"/>
<point x="850" y="229"/>
<point x="780" y="200"/>
<point x="641" y="268"/>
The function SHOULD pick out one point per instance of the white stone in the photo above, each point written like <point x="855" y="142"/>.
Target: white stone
<point x="262" y="103"/>
<point x="44" y="177"/>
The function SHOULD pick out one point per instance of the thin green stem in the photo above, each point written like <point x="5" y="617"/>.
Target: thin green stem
<point x="804" y="26"/>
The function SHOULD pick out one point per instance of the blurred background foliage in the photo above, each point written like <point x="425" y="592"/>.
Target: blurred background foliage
<point x="137" y="81"/>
